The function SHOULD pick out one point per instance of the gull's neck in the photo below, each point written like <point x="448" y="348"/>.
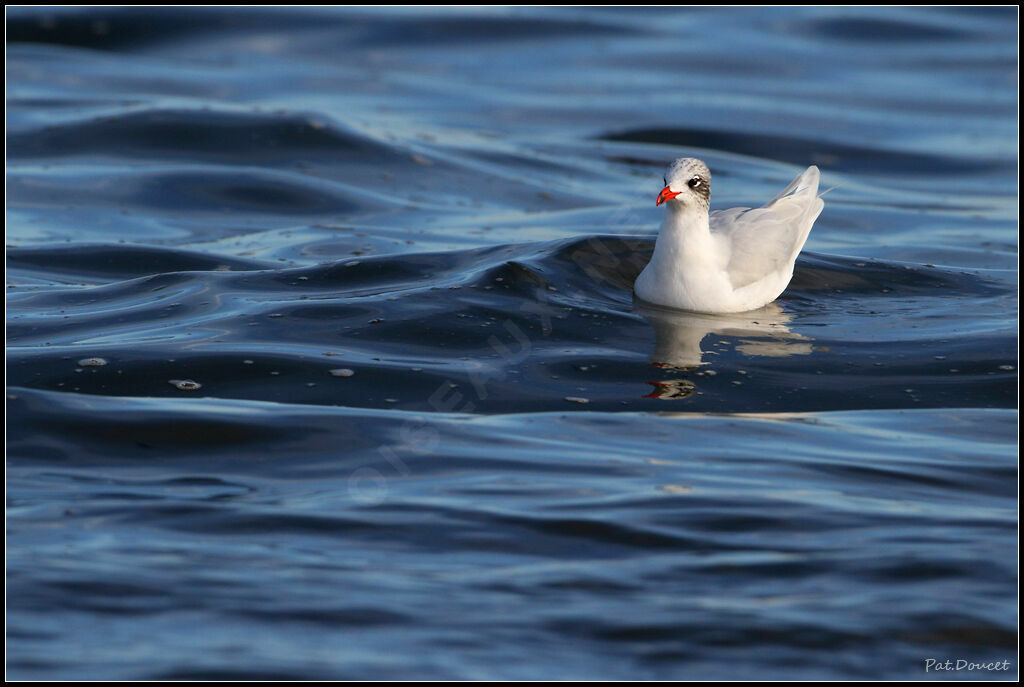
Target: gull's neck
<point x="685" y="232"/>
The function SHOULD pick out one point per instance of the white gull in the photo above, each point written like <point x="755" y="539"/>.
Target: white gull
<point x="729" y="260"/>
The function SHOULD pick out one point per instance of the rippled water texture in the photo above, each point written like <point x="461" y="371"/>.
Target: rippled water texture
<point x="323" y="360"/>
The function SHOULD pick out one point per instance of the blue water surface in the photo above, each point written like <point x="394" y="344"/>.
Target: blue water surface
<point x="323" y="360"/>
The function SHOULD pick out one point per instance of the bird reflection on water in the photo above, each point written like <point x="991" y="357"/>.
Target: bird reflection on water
<point x="678" y="337"/>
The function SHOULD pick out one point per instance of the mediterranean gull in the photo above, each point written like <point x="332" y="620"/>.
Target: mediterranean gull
<point x="729" y="260"/>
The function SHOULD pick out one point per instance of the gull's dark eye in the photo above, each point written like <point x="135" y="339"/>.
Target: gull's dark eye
<point x="695" y="183"/>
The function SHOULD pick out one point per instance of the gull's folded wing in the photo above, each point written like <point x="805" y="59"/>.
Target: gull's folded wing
<point x="763" y="241"/>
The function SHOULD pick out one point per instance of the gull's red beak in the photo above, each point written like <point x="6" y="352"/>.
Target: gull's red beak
<point x="666" y="194"/>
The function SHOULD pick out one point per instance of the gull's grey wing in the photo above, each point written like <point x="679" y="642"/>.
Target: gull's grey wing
<point x="766" y="240"/>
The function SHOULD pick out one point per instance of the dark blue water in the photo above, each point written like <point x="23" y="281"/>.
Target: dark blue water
<point x="323" y="361"/>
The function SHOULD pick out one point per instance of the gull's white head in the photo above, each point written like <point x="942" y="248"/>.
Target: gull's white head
<point x="687" y="181"/>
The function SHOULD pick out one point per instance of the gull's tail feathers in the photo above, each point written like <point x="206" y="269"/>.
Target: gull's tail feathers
<point x="805" y="183"/>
